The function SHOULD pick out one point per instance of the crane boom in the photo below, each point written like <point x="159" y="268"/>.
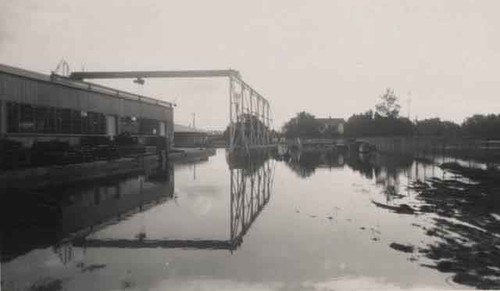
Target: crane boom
<point x="154" y="74"/>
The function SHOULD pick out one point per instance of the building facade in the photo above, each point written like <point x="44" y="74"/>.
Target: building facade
<point x="36" y="107"/>
<point x="189" y="137"/>
<point x="331" y="127"/>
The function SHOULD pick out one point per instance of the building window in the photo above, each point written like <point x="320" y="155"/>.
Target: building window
<point x="129" y="125"/>
<point x="76" y="121"/>
<point x="12" y="117"/>
<point x="45" y="120"/>
<point x="96" y="123"/>
<point x="149" y="126"/>
<point x="65" y="120"/>
<point x="25" y="118"/>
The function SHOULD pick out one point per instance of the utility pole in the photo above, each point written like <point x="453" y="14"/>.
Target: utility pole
<point x="194" y="120"/>
<point x="409" y="104"/>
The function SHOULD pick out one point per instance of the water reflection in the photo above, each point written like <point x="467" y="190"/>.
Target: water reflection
<point x="467" y="224"/>
<point x="250" y="191"/>
<point x="459" y="197"/>
<point x="352" y="224"/>
<point x="251" y="183"/>
<point x="385" y="169"/>
<point x="305" y="163"/>
<point x="47" y="216"/>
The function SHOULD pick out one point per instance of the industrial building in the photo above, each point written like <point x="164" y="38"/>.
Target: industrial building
<point x="331" y="127"/>
<point x="185" y="136"/>
<point x="53" y="113"/>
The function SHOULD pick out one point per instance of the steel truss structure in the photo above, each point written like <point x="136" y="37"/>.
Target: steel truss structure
<point x="249" y="113"/>
<point x="249" y="116"/>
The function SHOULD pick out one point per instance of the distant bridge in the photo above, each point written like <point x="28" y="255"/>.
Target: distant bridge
<point x="249" y="112"/>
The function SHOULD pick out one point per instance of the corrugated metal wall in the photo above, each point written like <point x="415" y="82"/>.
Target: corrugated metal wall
<point x="36" y="92"/>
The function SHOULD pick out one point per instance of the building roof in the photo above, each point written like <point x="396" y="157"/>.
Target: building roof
<point x="65" y="81"/>
<point x="186" y="129"/>
<point x="24" y="73"/>
<point x="331" y="121"/>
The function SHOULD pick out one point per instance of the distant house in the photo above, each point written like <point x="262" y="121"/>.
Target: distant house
<point x="185" y="136"/>
<point x="330" y="127"/>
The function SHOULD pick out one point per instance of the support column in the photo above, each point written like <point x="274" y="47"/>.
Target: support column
<point x="252" y="120"/>
<point x="240" y="116"/>
<point x="231" y="102"/>
<point x="259" y="123"/>
<point x="3" y="118"/>
<point x="111" y="126"/>
<point x="266" y="121"/>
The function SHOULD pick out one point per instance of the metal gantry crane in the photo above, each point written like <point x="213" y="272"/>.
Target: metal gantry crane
<point x="249" y="112"/>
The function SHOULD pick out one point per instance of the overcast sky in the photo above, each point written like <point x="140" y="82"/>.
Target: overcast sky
<point x="330" y="58"/>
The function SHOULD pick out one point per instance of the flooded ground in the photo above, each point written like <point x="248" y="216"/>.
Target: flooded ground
<point x="311" y="221"/>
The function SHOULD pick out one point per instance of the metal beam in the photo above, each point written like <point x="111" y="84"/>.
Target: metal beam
<point x="134" y="244"/>
<point x="155" y="74"/>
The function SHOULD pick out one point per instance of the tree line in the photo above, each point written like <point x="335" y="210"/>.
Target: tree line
<point x="385" y="120"/>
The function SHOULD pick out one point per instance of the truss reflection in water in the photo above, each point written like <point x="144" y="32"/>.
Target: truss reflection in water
<point x="250" y="192"/>
<point x="250" y="189"/>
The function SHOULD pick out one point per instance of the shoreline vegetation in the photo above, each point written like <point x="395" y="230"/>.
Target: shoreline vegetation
<point x="385" y="121"/>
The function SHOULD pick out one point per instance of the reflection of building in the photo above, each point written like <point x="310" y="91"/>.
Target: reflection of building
<point x="98" y="204"/>
<point x="250" y="191"/>
<point x="189" y="137"/>
<point x="304" y="163"/>
<point x="56" y="213"/>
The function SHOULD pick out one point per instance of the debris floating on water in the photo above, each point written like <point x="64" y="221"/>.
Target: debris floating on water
<point x="402" y="247"/>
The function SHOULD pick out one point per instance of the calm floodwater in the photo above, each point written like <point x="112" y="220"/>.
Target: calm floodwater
<point x="313" y="222"/>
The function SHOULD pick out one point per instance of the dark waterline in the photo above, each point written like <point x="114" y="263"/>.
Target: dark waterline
<point x="317" y="220"/>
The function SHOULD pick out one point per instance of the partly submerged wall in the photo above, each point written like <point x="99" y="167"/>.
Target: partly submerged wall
<point x="440" y="146"/>
<point x="38" y="177"/>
